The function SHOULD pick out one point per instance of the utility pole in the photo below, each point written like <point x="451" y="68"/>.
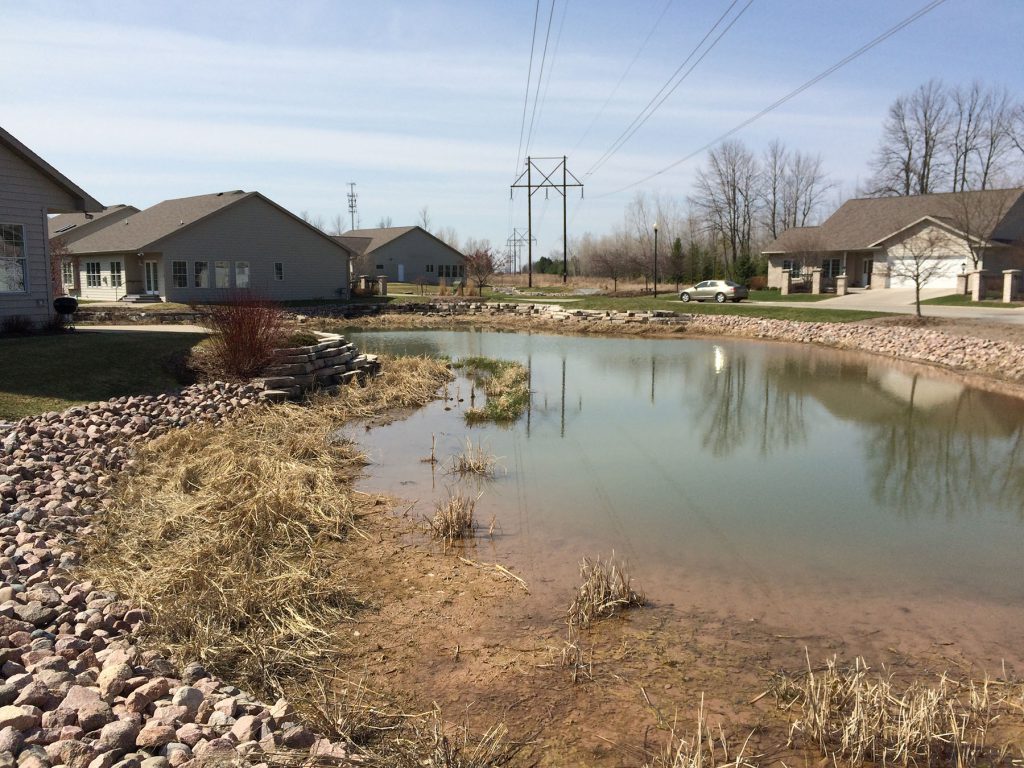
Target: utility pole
<point x="515" y="245"/>
<point x="352" y="202"/>
<point x="655" y="259"/>
<point x="547" y="181"/>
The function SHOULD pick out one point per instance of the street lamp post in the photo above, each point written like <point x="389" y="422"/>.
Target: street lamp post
<point x="655" y="259"/>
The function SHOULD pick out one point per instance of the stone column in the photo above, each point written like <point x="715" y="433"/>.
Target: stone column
<point x="961" y="285"/>
<point x="977" y="285"/>
<point x="1011" y="279"/>
<point x="841" y="285"/>
<point x="787" y="282"/>
<point x="382" y="285"/>
<point x="816" y="280"/>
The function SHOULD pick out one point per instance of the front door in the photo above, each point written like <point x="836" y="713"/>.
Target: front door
<point x="868" y="266"/>
<point x="152" y="277"/>
<point x="401" y="273"/>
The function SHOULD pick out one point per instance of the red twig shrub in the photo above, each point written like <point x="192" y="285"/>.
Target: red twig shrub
<point x="246" y="330"/>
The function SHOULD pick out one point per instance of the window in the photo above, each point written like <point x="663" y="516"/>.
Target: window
<point x="13" y="272"/>
<point x="831" y="268"/>
<point x="380" y="267"/>
<point x="220" y="274"/>
<point x="115" y="274"/>
<point x="430" y="267"/>
<point x="241" y="274"/>
<point x="202" y="276"/>
<point x="788" y="265"/>
<point x="462" y="270"/>
<point x="67" y="272"/>
<point x="279" y="270"/>
<point x="179" y="274"/>
<point x="92" y="274"/>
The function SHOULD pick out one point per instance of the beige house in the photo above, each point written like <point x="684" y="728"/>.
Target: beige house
<point x="867" y="238"/>
<point x="31" y="190"/>
<point x="207" y="248"/>
<point x="404" y="255"/>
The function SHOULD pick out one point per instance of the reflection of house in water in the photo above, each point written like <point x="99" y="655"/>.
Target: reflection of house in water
<point x="931" y="444"/>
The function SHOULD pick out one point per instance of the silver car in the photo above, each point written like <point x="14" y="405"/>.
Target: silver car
<point x="719" y="290"/>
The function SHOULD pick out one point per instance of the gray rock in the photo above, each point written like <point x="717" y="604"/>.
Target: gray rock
<point x="119" y="735"/>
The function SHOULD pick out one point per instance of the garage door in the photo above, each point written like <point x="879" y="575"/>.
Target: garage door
<point x="944" y="277"/>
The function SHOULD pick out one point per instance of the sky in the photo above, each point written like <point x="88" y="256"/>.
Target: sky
<point x="421" y="104"/>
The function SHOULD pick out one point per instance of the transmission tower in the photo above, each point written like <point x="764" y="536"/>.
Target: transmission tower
<point x="548" y="180"/>
<point x="352" y="202"/>
<point x="515" y="248"/>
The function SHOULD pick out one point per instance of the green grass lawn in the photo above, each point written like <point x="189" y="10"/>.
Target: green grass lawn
<point x="963" y="300"/>
<point x="51" y="373"/>
<point x="777" y="296"/>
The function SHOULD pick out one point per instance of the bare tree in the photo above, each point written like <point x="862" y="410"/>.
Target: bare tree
<point x="609" y="262"/>
<point x="313" y="221"/>
<point x="337" y="225"/>
<point x="448" y="235"/>
<point x="910" y="158"/>
<point x="727" y="198"/>
<point x="473" y="244"/>
<point x="917" y="258"/>
<point x="384" y="223"/>
<point x="424" y="220"/>
<point x="59" y="253"/>
<point x="981" y="135"/>
<point x="774" y="164"/>
<point x="481" y="266"/>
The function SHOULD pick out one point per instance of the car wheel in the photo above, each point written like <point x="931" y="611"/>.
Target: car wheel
<point x="685" y="297"/>
<point x="720" y="298"/>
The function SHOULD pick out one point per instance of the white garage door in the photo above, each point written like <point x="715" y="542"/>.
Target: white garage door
<point x="944" y="277"/>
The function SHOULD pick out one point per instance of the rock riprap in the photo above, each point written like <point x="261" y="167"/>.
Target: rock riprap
<point x="76" y="689"/>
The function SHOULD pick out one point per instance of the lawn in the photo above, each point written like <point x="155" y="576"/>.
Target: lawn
<point x="51" y="373"/>
<point x="777" y="296"/>
<point x="963" y="300"/>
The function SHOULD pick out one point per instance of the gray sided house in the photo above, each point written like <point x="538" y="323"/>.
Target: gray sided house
<point x="30" y="190"/>
<point x="867" y="238"/>
<point x="404" y="255"/>
<point x="208" y="248"/>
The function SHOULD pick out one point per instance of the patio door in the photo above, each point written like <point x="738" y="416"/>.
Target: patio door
<point x="401" y="273"/>
<point x="152" y="277"/>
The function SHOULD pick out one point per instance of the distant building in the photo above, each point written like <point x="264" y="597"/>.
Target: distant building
<point x="404" y="255"/>
<point x="866" y="236"/>
<point x="31" y="190"/>
<point x="204" y="249"/>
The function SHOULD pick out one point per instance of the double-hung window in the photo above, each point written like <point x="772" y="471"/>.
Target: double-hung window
<point x="202" y="275"/>
<point x="67" y="272"/>
<point x="13" y="267"/>
<point x="93" y="271"/>
<point x="179" y="274"/>
<point x="241" y="274"/>
<point x="116" y="279"/>
<point x="221" y="277"/>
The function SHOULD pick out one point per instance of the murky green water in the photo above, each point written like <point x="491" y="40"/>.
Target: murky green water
<point x="786" y="482"/>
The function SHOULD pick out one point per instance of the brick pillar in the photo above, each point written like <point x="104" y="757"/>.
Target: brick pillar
<point x="1011" y="281"/>
<point x="977" y="285"/>
<point x="961" y="285"/>
<point x="787" y="282"/>
<point x="816" y="280"/>
<point x="841" y="286"/>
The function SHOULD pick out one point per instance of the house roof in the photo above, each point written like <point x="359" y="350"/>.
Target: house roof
<point x="68" y="222"/>
<point x="863" y="223"/>
<point x="384" y="235"/>
<point x="82" y="200"/>
<point x="357" y="245"/>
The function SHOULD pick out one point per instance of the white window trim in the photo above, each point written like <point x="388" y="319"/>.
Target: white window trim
<point x="184" y="286"/>
<point x="98" y="274"/>
<point x="206" y="275"/>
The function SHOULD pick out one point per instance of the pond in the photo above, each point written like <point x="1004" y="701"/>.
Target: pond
<point x="821" y="492"/>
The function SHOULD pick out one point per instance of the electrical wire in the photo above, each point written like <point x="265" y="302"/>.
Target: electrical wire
<point x="551" y="67"/>
<point x="668" y="88"/>
<point x="529" y="79"/>
<point x="540" y="77"/>
<point x="792" y="94"/>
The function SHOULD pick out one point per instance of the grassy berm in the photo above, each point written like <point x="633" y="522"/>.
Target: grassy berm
<point x="233" y="537"/>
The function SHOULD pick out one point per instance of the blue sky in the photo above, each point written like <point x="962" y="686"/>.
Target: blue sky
<point x="420" y="103"/>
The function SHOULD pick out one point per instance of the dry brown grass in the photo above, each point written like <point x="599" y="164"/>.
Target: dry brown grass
<point x="607" y="588"/>
<point x="474" y="460"/>
<point x="453" y="518"/>
<point x="703" y="748"/>
<point x="225" y="532"/>
<point x="862" y="716"/>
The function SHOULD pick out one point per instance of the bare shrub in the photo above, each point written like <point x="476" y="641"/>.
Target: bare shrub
<point x="246" y="330"/>
<point x="16" y="325"/>
<point x="606" y="589"/>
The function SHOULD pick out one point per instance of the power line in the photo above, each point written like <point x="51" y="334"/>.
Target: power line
<point x="629" y="68"/>
<point x="536" y="92"/>
<point x="792" y="94"/>
<point x="551" y="68"/>
<point x="529" y="78"/>
<point x="666" y="90"/>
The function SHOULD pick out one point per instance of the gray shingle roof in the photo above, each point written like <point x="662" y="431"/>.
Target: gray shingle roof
<point x="145" y="228"/>
<point x="82" y="200"/>
<point x="65" y="223"/>
<point x="861" y="223"/>
<point x="382" y="236"/>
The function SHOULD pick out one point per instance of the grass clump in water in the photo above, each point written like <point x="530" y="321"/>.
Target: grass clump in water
<point x="474" y="461"/>
<point x="453" y="518"/>
<point x="505" y="383"/>
<point x="607" y="588"/>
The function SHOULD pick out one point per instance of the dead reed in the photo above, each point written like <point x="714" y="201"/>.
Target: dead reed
<point x="227" y="533"/>
<point x="701" y="749"/>
<point x="474" y="460"/>
<point x="453" y="518"/>
<point x="865" y="716"/>
<point x="606" y="589"/>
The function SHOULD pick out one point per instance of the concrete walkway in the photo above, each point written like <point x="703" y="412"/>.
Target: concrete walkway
<point x="159" y="328"/>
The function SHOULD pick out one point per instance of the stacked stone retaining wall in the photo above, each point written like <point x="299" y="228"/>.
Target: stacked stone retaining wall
<point x="328" y="364"/>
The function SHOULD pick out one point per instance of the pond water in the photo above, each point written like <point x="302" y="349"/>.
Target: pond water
<point x="822" y="492"/>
